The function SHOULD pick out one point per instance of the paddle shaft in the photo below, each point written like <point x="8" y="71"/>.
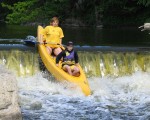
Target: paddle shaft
<point x="47" y="43"/>
<point x="30" y="42"/>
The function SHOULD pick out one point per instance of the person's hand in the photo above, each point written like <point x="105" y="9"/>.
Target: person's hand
<point x="43" y="42"/>
<point x="77" y="64"/>
<point x="57" y="65"/>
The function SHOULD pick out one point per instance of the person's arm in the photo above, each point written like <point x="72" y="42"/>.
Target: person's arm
<point x="76" y="57"/>
<point x="61" y="35"/>
<point x="60" y="41"/>
<point x="59" y="56"/>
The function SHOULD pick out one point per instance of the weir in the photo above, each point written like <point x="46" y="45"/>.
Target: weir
<point x="94" y="63"/>
<point x="114" y="63"/>
<point x="23" y="63"/>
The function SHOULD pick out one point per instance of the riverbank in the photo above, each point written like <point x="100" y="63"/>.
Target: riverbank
<point x="9" y="107"/>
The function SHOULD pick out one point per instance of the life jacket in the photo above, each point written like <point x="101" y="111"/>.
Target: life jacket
<point x="69" y="59"/>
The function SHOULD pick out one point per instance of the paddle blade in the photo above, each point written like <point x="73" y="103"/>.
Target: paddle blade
<point x="30" y="43"/>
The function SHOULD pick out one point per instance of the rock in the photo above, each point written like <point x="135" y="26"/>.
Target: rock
<point x="9" y="108"/>
<point x="73" y="22"/>
<point x="36" y="105"/>
<point x="146" y="26"/>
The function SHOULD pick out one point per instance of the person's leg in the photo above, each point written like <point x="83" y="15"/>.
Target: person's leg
<point x="57" y="51"/>
<point x="75" y="71"/>
<point x="67" y="69"/>
<point x="49" y="50"/>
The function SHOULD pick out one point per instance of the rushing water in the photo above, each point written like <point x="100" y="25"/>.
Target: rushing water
<point x="95" y="64"/>
<point x="120" y="84"/>
<point x="123" y="98"/>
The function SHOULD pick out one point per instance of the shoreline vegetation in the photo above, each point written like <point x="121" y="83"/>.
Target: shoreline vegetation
<point x="76" y="13"/>
<point x="75" y="25"/>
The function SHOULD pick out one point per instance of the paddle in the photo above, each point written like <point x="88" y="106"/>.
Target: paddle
<point x="30" y="42"/>
<point x="34" y="43"/>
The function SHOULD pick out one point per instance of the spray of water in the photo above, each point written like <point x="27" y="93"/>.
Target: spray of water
<point x="112" y="98"/>
<point x="120" y="87"/>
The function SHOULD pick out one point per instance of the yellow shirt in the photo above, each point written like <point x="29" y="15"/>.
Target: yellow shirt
<point x="53" y="34"/>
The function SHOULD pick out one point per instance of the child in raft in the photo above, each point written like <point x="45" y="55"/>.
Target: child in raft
<point x="69" y="60"/>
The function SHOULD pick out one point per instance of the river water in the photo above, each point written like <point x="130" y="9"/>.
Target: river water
<point x="120" y="82"/>
<point x="86" y="35"/>
<point x="123" y="98"/>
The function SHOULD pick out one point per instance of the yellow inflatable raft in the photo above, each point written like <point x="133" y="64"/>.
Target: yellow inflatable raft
<point x="59" y="74"/>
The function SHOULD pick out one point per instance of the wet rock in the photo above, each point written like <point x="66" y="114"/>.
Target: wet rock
<point x="9" y="108"/>
<point x="36" y="105"/>
<point x="5" y="101"/>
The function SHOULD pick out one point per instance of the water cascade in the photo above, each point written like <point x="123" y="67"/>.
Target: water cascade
<point x="96" y="64"/>
<point x="114" y="63"/>
<point x="23" y="63"/>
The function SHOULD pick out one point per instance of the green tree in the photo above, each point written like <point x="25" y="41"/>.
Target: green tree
<point x="25" y="11"/>
<point x="90" y="12"/>
<point x="35" y="10"/>
<point x="59" y="8"/>
<point x="146" y="3"/>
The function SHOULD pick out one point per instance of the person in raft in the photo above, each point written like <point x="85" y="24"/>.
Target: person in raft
<point x="53" y="36"/>
<point x="69" y="60"/>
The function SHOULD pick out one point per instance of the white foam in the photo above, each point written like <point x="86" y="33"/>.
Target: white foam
<point x="121" y="93"/>
<point x="39" y="83"/>
<point x="132" y="88"/>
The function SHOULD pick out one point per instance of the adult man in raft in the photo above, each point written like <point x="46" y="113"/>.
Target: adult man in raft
<point x="70" y="60"/>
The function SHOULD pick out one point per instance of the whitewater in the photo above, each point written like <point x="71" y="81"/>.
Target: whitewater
<point x="113" y="98"/>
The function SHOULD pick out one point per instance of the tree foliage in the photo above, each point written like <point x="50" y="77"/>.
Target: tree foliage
<point x="146" y="3"/>
<point x="22" y="11"/>
<point x="90" y="12"/>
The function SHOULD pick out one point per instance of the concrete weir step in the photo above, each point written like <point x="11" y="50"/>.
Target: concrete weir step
<point x="80" y="48"/>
